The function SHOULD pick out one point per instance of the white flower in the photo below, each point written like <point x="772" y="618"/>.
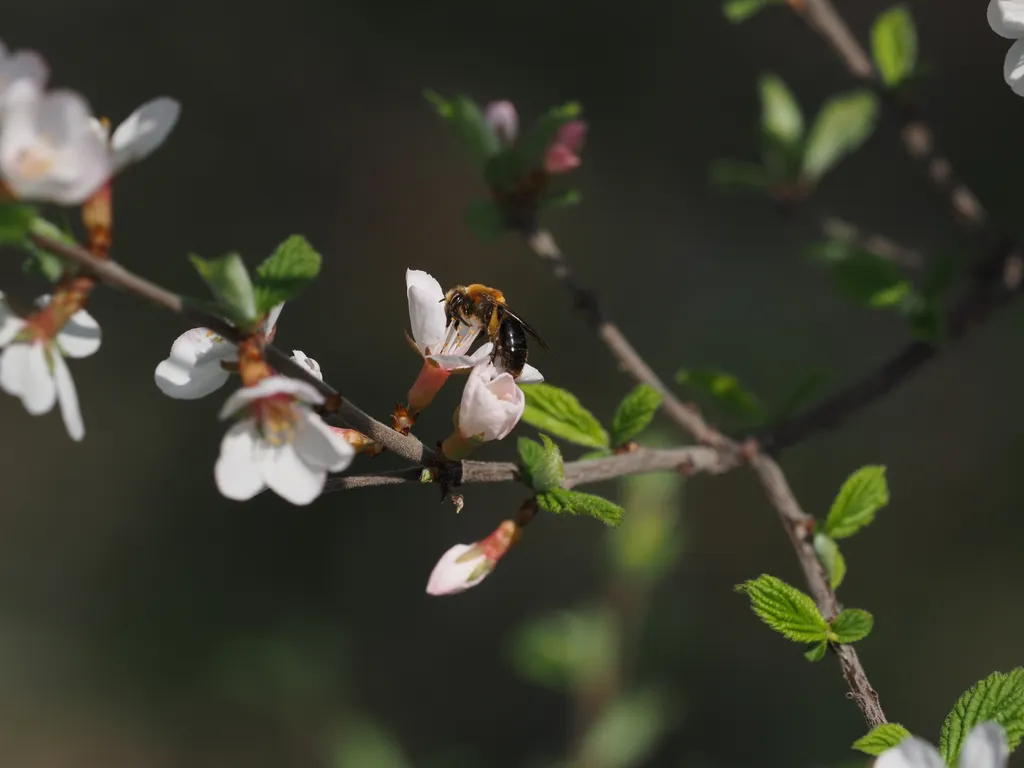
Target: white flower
<point x="32" y="367"/>
<point x="461" y="567"/>
<point x="308" y="363"/>
<point x="280" y="443"/>
<point x="985" y="747"/>
<point x="1006" y="17"/>
<point x="491" y="405"/>
<point x="21" y="65"/>
<point x="196" y="365"/>
<point x="504" y="121"/>
<point x="49" y="150"/>
<point x="141" y="133"/>
<point x="448" y="347"/>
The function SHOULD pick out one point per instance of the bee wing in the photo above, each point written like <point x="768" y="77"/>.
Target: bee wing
<point x="529" y="328"/>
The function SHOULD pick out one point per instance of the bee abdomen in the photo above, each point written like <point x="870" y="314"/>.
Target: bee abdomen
<point x="510" y="346"/>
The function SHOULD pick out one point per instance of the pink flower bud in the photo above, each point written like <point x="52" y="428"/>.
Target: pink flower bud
<point x="466" y="565"/>
<point x="503" y="118"/>
<point x="563" y="153"/>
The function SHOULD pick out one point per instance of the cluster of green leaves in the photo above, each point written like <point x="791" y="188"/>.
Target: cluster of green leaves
<point x="793" y="157"/>
<point x="504" y="168"/>
<point x="244" y="300"/>
<point x="794" y="615"/>
<point x="859" y="499"/>
<point x="998" y="698"/>
<point x="738" y="402"/>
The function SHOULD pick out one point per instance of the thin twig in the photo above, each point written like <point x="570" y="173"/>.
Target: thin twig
<point x="888" y="249"/>
<point x="113" y="274"/>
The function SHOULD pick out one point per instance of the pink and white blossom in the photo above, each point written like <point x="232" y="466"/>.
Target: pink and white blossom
<point x="504" y="121"/>
<point x="1006" y="18"/>
<point x="141" y="133"/>
<point x="985" y="747"/>
<point x="492" y="404"/>
<point x="308" y="363"/>
<point x="278" y="442"/>
<point x="466" y="565"/>
<point x="563" y="153"/>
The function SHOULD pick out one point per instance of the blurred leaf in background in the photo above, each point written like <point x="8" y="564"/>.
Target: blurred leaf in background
<point x="362" y="744"/>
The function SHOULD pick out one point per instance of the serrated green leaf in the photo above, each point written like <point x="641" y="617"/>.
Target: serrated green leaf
<point x="841" y="127"/>
<point x="735" y="175"/>
<point x="471" y="129"/>
<point x="817" y="652"/>
<point x="880" y="738"/>
<point x="781" y="116"/>
<point x="484" y="219"/>
<point x="999" y="697"/>
<point x="228" y="281"/>
<point x="562" y="650"/>
<point x="862" y="495"/>
<point x="559" y="413"/>
<point x="559" y="501"/>
<point x="831" y="559"/>
<point x="741" y="10"/>
<point x="851" y="625"/>
<point x="535" y="144"/>
<point x="627" y="732"/>
<point x="635" y="412"/>
<point x="285" y="272"/>
<point x="894" y="45"/>
<point x="785" y="609"/>
<point x="15" y="223"/>
<point x="542" y="463"/>
<point x="723" y="387"/>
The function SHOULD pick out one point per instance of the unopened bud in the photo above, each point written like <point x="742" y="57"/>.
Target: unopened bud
<point x="358" y="440"/>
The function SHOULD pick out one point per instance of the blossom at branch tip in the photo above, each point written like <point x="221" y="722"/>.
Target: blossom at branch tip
<point x="985" y="747"/>
<point x="278" y="442"/>
<point x="563" y="153"/>
<point x="32" y="365"/>
<point x="141" y="133"/>
<point x="1006" y="18"/>
<point x="466" y="565"/>
<point x="202" y="361"/>
<point x="504" y="121"/>
<point x="308" y="363"/>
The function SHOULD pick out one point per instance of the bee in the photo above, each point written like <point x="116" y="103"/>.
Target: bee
<point x="478" y="305"/>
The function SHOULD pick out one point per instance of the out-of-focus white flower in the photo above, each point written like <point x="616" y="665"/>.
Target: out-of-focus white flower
<point x="504" y="121"/>
<point x="1006" y="17"/>
<point x="466" y="565"/>
<point x="279" y="443"/>
<point x="141" y="133"/>
<point x="201" y="361"/>
<point x="985" y="747"/>
<point x="49" y="150"/>
<point x="21" y="65"/>
<point x="308" y="363"/>
<point x="32" y="365"/>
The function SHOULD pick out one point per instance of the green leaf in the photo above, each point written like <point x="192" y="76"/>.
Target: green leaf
<point x="542" y="463"/>
<point x="781" y="116"/>
<point x="40" y="261"/>
<point x="785" y="609"/>
<point x="881" y="738"/>
<point x="851" y="625"/>
<point x="863" y="276"/>
<point x="817" y="652"/>
<point x="634" y="414"/>
<point x="723" y="387"/>
<point x="831" y="559"/>
<point x="15" y="223"/>
<point x="627" y="732"/>
<point x="285" y="272"/>
<point x="562" y="502"/>
<point x="741" y="10"/>
<point x="484" y="219"/>
<point x="472" y="130"/>
<point x="841" y="127"/>
<point x="562" y="650"/>
<point x="894" y="45"/>
<point x="535" y="144"/>
<point x="926" y="318"/>
<point x="564" y="199"/>
<point x="362" y="744"/>
<point x="228" y="281"/>
<point x="862" y="495"/>
<point x="559" y="413"/>
<point x="999" y="697"/>
<point x="736" y="175"/>
<point x="649" y="540"/>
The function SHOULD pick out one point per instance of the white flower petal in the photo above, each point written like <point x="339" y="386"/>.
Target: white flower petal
<point x="272" y="317"/>
<point x="530" y="375"/>
<point x="450" y="577"/>
<point x="985" y="747"/>
<point x="236" y="472"/>
<point x="80" y="336"/>
<point x="10" y="324"/>
<point x="1013" y="67"/>
<point x="426" y="310"/>
<point x="319" y="446"/>
<point x="491" y="404"/>
<point x="268" y="387"/>
<point x="24" y="65"/>
<point x="1006" y="17"/>
<point x="145" y="129"/>
<point x="289" y="476"/>
<point x="193" y="368"/>
<point x="25" y="373"/>
<point x="504" y="120"/>
<point x="67" y="397"/>
<point x="911" y="753"/>
<point x="308" y="363"/>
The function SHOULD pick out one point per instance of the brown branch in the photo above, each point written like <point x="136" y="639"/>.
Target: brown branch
<point x="799" y="525"/>
<point x="113" y="274"/>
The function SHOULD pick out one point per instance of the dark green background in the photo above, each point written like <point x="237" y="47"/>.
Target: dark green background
<point x="129" y="589"/>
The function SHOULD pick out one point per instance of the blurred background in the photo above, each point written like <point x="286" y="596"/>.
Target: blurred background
<point x="145" y="621"/>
